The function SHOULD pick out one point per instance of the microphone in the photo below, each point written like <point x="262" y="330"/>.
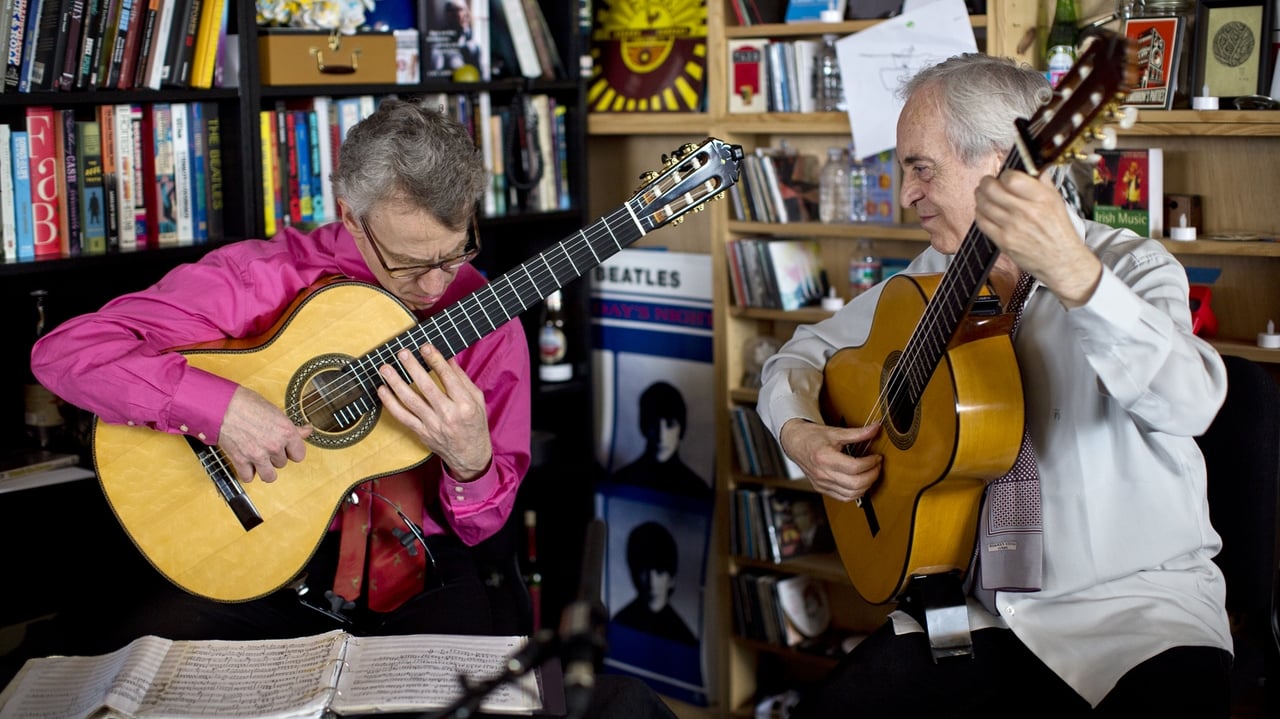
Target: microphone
<point x="582" y="625"/>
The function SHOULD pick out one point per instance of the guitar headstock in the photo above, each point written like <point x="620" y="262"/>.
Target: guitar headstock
<point x="691" y="176"/>
<point x="1087" y="97"/>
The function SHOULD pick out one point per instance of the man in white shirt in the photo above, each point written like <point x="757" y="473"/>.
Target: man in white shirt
<point x="1127" y="618"/>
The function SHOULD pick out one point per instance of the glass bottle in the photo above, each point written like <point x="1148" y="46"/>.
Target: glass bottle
<point x="42" y="410"/>
<point x="530" y="570"/>
<point x="553" y="343"/>
<point x="864" y="268"/>
<point x="827" y="85"/>
<point x="859" y="189"/>
<point x="833" y="188"/>
<point x="1060" y="48"/>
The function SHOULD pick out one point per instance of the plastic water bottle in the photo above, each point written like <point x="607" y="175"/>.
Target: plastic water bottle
<point x="829" y="89"/>
<point x="833" y="188"/>
<point x="864" y="268"/>
<point x="859" y="191"/>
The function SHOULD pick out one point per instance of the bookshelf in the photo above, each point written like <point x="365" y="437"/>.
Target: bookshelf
<point x="84" y="283"/>
<point x="1217" y="155"/>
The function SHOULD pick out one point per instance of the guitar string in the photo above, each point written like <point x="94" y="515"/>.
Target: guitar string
<point x="932" y="321"/>
<point x="660" y="185"/>
<point x="581" y="247"/>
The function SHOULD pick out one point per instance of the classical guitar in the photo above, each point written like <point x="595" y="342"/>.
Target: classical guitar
<point x="216" y="537"/>
<point x="940" y="355"/>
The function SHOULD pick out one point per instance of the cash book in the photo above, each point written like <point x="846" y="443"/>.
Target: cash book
<point x="335" y="673"/>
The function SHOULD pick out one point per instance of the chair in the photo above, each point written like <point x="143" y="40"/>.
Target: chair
<point x="1242" y="455"/>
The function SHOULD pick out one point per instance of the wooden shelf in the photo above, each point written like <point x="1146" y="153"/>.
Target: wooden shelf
<point x="855" y="230"/>
<point x="647" y="123"/>
<point x="1198" y="123"/>
<point x="826" y="567"/>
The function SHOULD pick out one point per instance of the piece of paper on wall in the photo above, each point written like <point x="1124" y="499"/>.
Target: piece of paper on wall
<point x="875" y="62"/>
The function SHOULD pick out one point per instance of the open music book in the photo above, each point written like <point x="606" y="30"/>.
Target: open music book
<point x="331" y="673"/>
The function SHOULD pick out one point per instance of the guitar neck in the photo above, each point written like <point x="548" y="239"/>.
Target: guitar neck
<point x="489" y="307"/>
<point x="958" y="289"/>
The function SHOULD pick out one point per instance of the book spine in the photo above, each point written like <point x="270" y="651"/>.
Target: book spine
<point x="206" y="42"/>
<point x="156" y="58"/>
<point x="44" y="181"/>
<point x="69" y="183"/>
<point x="119" y="41"/>
<point x="290" y="210"/>
<point x="180" y="142"/>
<point x="199" y="151"/>
<point x="148" y="20"/>
<point x="8" y="238"/>
<point x="92" y="191"/>
<point x="100" y="63"/>
<point x="213" y="162"/>
<point x="181" y="74"/>
<point x="17" y="22"/>
<point x="23" y="226"/>
<point x="314" y="176"/>
<point x="31" y="42"/>
<point x="106" y="115"/>
<point x="85" y="43"/>
<point x="326" y="121"/>
<point x="165" y="203"/>
<point x="521" y="38"/>
<point x="125" y="188"/>
<point x="142" y="164"/>
<point x="73" y="30"/>
<point x="266" y="128"/>
<point x="302" y="152"/>
<point x="126" y="77"/>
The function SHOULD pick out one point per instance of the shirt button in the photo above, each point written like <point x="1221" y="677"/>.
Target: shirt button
<point x="201" y="437"/>
<point x="131" y="424"/>
<point x="1009" y="611"/>
<point x="183" y="429"/>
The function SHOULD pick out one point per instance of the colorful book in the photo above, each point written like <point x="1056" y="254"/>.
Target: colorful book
<point x="883" y="179"/>
<point x="213" y="163"/>
<point x="180" y="143"/>
<point x="156" y="62"/>
<point x="300" y="140"/>
<point x="212" y="22"/>
<point x="17" y="24"/>
<point x="108" y="24"/>
<point x="162" y="212"/>
<point x="1128" y="190"/>
<point x="42" y="138"/>
<point x="113" y="62"/>
<point x="811" y="10"/>
<point x="142" y="237"/>
<point x="71" y="235"/>
<point x="8" y="233"/>
<point x="266" y="131"/>
<point x="93" y="199"/>
<point x="43" y="19"/>
<point x="126" y="76"/>
<point x="91" y="27"/>
<point x="73" y="29"/>
<point x="748" y="75"/>
<point x="797" y="272"/>
<point x="23" y="219"/>
<point x="106" y="115"/>
<point x="326" y="133"/>
<point x="199" y="178"/>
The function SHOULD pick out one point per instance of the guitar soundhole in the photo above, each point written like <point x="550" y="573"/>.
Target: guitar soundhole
<point x="902" y="412"/>
<point x="326" y="394"/>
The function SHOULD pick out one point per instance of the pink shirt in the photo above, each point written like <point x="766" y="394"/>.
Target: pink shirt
<point x="115" y="362"/>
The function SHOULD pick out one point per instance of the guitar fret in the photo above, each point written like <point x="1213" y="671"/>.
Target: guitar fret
<point x="594" y="256"/>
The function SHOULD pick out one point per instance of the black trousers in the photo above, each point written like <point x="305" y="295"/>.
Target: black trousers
<point x="888" y="675"/>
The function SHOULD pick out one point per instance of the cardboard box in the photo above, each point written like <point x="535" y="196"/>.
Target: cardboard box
<point x="317" y="57"/>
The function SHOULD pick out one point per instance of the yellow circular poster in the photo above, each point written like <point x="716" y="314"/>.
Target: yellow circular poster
<point x="649" y="56"/>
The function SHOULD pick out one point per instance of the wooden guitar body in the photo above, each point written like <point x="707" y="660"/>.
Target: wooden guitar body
<point x="174" y="513"/>
<point x="964" y="431"/>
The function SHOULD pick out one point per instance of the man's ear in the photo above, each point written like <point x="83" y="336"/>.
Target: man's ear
<point x="349" y="219"/>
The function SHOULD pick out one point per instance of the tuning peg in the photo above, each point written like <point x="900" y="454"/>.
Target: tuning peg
<point x="1128" y="117"/>
<point x="648" y="176"/>
<point x="1107" y="138"/>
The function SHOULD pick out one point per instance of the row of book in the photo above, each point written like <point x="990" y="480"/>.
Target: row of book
<point x="775" y="273"/>
<point x="774" y="524"/>
<point x="84" y="45"/>
<point x="772" y="75"/>
<point x="128" y="177"/>
<point x="782" y="185"/>
<point x="785" y="610"/>
<point x="301" y="140"/>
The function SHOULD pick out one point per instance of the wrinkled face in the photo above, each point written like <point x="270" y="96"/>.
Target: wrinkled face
<point x="412" y="255"/>
<point x="934" y="179"/>
<point x="668" y="438"/>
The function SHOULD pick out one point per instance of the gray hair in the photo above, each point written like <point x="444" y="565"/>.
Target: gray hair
<point x="412" y="153"/>
<point x="979" y="97"/>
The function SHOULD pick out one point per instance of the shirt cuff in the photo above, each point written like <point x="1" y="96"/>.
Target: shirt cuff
<point x="200" y="404"/>
<point x="459" y="493"/>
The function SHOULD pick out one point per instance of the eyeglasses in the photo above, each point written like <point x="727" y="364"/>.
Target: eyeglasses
<point x="448" y="264"/>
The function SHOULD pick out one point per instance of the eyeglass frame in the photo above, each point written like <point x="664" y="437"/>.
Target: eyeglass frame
<point x="449" y="264"/>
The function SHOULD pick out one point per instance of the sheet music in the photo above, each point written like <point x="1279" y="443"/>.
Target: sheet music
<point x="78" y="687"/>
<point x="415" y="672"/>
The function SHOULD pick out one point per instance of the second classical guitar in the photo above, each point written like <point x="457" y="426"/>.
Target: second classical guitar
<point x="938" y="370"/>
<point x="204" y="530"/>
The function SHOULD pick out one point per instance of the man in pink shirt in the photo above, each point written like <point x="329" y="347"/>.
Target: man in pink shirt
<point x="407" y="185"/>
